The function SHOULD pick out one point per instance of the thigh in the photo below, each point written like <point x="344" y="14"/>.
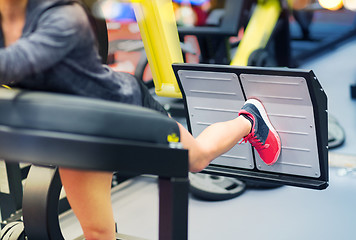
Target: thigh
<point x="148" y="101"/>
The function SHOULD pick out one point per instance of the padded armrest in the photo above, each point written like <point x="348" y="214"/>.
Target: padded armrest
<point x="86" y="116"/>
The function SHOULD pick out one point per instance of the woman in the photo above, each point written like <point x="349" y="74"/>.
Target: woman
<point x="48" y="45"/>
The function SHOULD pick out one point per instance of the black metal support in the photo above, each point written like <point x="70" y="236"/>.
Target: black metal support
<point x="353" y="91"/>
<point x="40" y="206"/>
<point x="214" y="49"/>
<point x="282" y="41"/>
<point x="229" y="24"/>
<point x="40" y="203"/>
<point x="12" y="201"/>
<point x="214" y="39"/>
<point x="173" y="208"/>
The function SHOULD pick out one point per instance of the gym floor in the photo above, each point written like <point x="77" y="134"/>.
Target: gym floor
<point x="280" y="213"/>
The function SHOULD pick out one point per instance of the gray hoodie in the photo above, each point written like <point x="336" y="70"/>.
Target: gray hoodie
<point x="57" y="53"/>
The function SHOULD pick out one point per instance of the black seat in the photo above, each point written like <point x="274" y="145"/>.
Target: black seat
<point x="84" y="116"/>
<point x="50" y="129"/>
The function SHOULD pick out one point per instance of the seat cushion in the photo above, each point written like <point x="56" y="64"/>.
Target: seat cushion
<point x="85" y="116"/>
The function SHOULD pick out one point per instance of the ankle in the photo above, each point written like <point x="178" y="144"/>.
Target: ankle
<point x="247" y="123"/>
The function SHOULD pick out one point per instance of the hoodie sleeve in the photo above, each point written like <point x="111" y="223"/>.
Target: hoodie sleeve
<point x="55" y="36"/>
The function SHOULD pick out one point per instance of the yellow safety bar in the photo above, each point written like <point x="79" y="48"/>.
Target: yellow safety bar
<point x="5" y="86"/>
<point x="258" y="30"/>
<point x="159" y="33"/>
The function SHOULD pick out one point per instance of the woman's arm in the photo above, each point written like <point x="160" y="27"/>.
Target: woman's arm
<point x="58" y="31"/>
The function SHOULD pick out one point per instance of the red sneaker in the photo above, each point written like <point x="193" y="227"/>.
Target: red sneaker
<point x="263" y="137"/>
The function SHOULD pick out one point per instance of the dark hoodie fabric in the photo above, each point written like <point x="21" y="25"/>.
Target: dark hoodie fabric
<point x="56" y="53"/>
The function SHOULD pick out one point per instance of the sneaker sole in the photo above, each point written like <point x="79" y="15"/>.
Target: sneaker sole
<point x="257" y="103"/>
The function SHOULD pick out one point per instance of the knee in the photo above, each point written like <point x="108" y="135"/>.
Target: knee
<point x="197" y="167"/>
<point x="99" y="232"/>
<point x="199" y="160"/>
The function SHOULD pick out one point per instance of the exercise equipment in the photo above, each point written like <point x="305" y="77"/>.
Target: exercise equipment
<point x="296" y="105"/>
<point x="319" y="33"/>
<point x="13" y="231"/>
<point x="336" y="134"/>
<point x="215" y="188"/>
<point x="57" y="136"/>
<point x="252" y="48"/>
<point x="58" y="130"/>
<point x="11" y="176"/>
<point x="158" y="52"/>
<point x="66" y="142"/>
<point x="265" y="40"/>
<point x="69" y="143"/>
<point x="222" y="23"/>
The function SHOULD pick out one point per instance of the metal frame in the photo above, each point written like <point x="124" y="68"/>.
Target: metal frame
<point x="11" y="201"/>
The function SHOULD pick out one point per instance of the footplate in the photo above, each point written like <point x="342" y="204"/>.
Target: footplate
<point x="296" y="105"/>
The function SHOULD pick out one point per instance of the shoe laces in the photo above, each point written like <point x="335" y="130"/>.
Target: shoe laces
<point x="255" y="141"/>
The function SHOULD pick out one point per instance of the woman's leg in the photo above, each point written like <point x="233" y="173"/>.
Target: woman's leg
<point x="215" y="140"/>
<point x="252" y="124"/>
<point x="89" y="195"/>
<point x="89" y="192"/>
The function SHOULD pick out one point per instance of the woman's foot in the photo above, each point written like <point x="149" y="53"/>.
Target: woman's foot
<point x="263" y="137"/>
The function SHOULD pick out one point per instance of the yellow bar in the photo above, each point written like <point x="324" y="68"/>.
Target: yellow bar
<point x="258" y="30"/>
<point x="5" y="86"/>
<point x="159" y="34"/>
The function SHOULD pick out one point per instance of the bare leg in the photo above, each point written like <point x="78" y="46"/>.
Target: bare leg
<point x="215" y="140"/>
<point x="89" y="194"/>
